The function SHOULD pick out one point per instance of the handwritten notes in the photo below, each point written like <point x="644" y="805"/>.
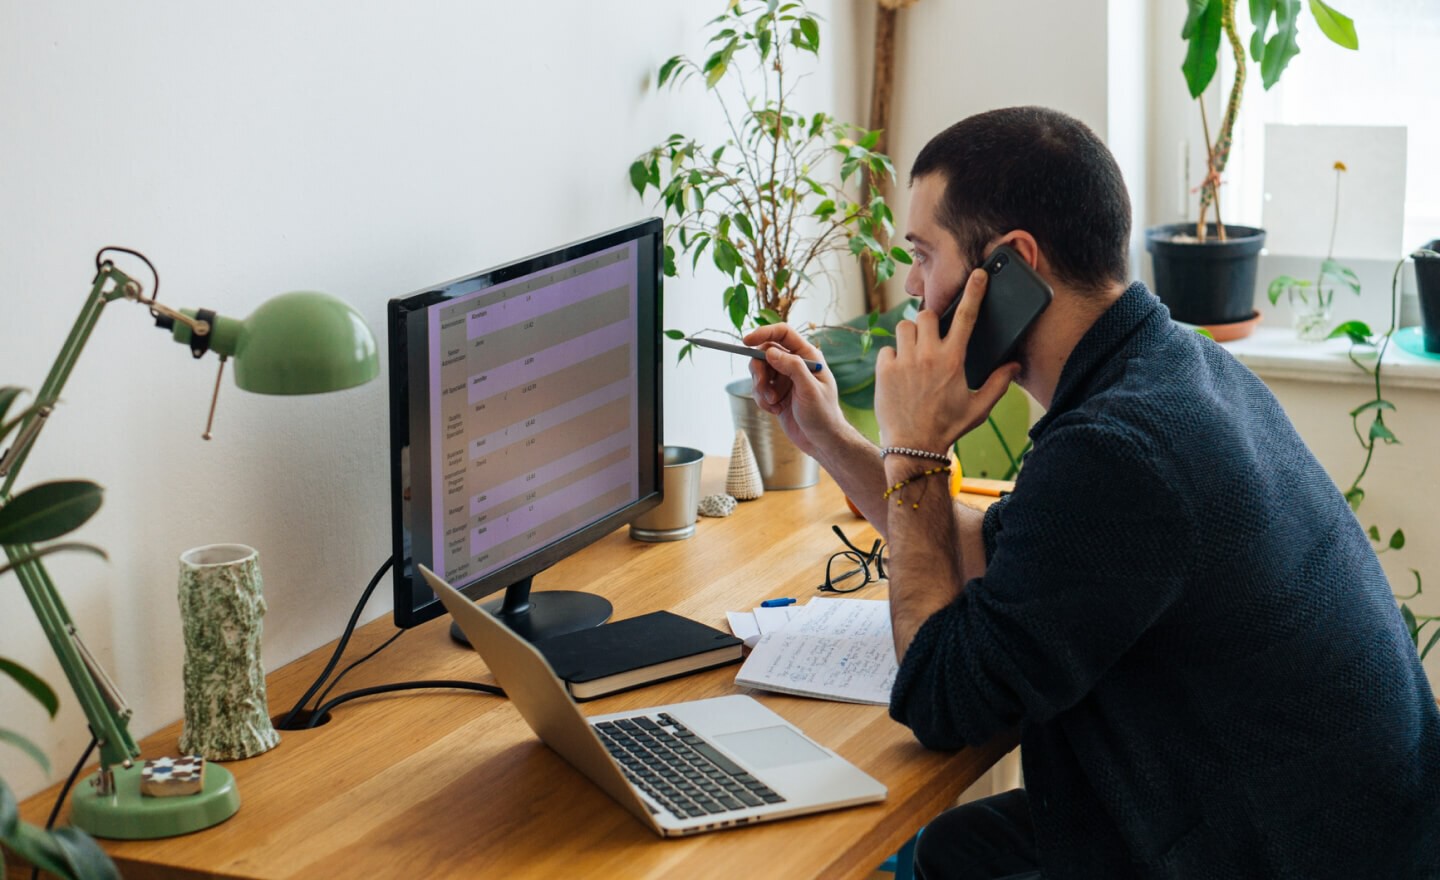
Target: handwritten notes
<point x="834" y="649"/>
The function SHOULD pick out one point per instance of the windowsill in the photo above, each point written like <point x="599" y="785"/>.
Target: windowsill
<point x="1275" y="353"/>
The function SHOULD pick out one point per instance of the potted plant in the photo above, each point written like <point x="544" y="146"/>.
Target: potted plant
<point x="770" y="204"/>
<point x="1205" y="271"/>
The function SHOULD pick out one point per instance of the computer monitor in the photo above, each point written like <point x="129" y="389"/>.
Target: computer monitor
<point x="525" y="424"/>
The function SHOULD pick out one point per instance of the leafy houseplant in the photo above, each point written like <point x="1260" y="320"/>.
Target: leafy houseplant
<point x="39" y="514"/>
<point x="1205" y="279"/>
<point x="768" y="204"/>
<point x="1362" y="337"/>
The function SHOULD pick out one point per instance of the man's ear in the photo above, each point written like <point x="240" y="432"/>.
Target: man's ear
<point x="1022" y="243"/>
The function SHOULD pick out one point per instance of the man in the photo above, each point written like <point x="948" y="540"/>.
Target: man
<point x="1176" y="606"/>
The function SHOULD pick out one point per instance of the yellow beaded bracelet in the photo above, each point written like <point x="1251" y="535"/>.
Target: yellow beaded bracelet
<point x="915" y="505"/>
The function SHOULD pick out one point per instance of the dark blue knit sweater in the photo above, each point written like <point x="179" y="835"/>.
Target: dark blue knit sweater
<point x="1192" y="631"/>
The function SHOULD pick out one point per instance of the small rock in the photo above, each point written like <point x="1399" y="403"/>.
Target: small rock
<point x="717" y="505"/>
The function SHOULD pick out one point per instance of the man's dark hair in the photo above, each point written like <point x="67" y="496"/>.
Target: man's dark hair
<point x="1039" y="170"/>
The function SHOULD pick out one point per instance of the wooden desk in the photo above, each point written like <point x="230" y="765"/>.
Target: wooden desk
<point x="449" y="783"/>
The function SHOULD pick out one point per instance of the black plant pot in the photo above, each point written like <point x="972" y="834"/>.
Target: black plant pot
<point x="1427" y="283"/>
<point x="1210" y="283"/>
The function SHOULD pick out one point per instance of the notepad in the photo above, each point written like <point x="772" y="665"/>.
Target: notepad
<point x="834" y="649"/>
<point x="636" y="651"/>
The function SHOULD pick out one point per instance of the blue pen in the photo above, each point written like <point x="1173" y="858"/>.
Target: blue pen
<point x="777" y="603"/>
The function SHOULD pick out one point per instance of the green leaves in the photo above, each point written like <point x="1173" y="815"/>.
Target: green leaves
<point x="1261" y="12"/>
<point x="1273" y="51"/>
<point x="850" y="351"/>
<point x="807" y="36"/>
<point x="32" y="683"/>
<point x="1283" y="45"/>
<point x="48" y="510"/>
<point x="1279" y="285"/>
<point x="1339" y="28"/>
<point x="66" y="852"/>
<point x="1358" y="332"/>
<point x="639" y="176"/>
<point x="1202" y="33"/>
<point x="10" y="737"/>
<point x="737" y="303"/>
<point x="1377" y="403"/>
<point x="727" y="258"/>
<point x="1340" y="274"/>
<point x="668" y="68"/>
<point x="8" y="394"/>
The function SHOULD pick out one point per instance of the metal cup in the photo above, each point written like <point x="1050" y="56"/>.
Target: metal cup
<point x="674" y="519"/>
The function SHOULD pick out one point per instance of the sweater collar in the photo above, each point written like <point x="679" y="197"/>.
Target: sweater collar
<point x="1136" y="306"/>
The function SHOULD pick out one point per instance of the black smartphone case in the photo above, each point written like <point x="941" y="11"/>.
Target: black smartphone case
<point x="1014" y="299"/>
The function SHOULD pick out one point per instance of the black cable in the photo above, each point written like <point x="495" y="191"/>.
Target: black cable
<point x="400" y="686"/>
<point x="65" y="790"/>
<point x="287" y="722"/>
<point x="154" y="273"/>
<point x="346" y="671"/>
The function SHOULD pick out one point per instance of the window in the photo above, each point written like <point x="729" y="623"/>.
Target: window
<point x="1391" y="80"/>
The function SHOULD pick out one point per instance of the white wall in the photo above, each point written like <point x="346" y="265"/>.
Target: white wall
<point x="957" y="59"/>
<point x="363" y="148"/>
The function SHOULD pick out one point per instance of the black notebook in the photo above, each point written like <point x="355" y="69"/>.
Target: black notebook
<point x="636" y="651"/>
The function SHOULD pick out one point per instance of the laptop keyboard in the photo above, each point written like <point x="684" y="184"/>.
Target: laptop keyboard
<point x="678" y="769"/>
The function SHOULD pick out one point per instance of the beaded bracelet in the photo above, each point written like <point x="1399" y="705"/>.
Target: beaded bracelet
<point x="915" y="505"/>
<point x="914" y="453"/>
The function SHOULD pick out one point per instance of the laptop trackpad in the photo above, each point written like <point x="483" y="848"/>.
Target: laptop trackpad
<point x="767" y="747"/>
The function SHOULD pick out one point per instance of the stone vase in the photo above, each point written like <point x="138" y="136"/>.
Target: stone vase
<point x="221" y="606"/>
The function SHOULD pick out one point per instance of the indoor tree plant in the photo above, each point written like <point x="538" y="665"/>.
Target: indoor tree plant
<point x="772" y="204"/>
<point x="1205" y="272"/>
<point x="39" y="514"/>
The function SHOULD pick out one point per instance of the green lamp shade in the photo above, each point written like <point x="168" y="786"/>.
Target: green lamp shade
<point x="301" y="343"/>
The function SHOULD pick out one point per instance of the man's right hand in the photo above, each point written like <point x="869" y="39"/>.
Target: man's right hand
<point x="807" y="404"/>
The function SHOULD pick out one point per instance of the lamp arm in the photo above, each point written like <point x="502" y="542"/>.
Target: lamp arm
<point x="110" y="284"/>
<point x="104" y="709"/>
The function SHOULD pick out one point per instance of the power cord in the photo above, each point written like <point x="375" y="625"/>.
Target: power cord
<point x="400" y="686"/>
<point x="65" y="791"/>
<point x="298" y="718"/>
<point x="346" y="671"/>
<point x="289" y="721"/>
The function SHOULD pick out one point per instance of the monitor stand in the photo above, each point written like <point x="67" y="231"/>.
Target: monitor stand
<point x="544" y="614"/>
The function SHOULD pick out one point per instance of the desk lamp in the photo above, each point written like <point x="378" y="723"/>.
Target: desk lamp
<point x="296" y="343"/>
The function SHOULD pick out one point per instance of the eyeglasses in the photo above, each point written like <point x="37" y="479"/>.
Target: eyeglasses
<point x="849" y="570"/>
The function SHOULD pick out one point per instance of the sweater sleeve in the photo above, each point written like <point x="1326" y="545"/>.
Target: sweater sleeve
<point x="1088" y="553"/>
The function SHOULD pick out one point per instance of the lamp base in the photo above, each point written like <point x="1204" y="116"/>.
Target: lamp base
<point x="129" y="815"/>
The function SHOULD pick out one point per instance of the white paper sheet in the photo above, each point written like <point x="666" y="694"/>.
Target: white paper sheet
<point x="1300" y="183"/>
<point x="836" y="649"/>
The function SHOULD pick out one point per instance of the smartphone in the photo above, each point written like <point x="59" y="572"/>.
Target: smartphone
<point x="1015" y="298"/>
<point x="756" y="353"/>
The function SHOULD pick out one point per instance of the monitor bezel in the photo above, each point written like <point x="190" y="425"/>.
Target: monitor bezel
<point x="407" y="582"/>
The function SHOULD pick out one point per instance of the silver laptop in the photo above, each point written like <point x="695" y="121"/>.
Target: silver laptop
<point x="682" y="768"/>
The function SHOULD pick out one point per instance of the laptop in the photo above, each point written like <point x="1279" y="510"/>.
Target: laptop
<point x="682" y="768"/>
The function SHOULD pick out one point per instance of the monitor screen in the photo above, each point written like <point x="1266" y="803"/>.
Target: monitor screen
<point x="525" y="423"/>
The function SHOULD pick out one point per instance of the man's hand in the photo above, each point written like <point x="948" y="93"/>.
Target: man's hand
<point x="921" y="397"/>
<point x="807" y="404"/>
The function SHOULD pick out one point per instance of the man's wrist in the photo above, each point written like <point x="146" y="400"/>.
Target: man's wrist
<point x="920" y="453"/>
